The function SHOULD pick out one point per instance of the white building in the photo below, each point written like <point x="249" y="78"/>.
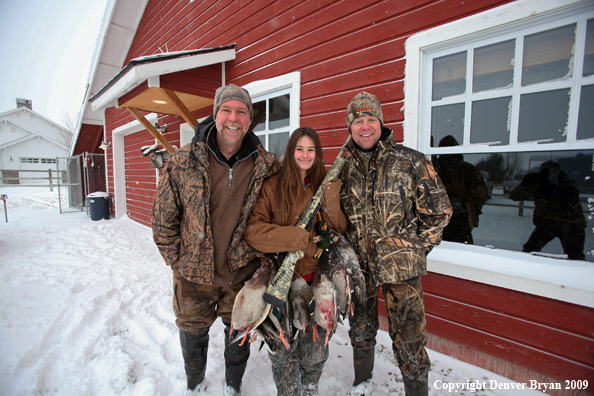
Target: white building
<point x="29" y="141"/>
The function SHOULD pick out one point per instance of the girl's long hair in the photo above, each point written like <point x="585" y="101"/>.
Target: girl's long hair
<point x="290" y="179"/>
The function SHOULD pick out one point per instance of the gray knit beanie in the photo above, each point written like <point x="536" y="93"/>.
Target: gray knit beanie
<point x="230" y="92"/>
<point x="364" y="104"/>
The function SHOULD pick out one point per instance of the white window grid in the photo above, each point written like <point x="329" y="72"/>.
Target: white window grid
<point x="277" y="86"/>
<point x="574" y="82"/>
<point x="267" y="132"/>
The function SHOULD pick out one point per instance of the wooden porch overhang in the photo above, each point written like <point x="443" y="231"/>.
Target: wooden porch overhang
<point x="156" y="98"/>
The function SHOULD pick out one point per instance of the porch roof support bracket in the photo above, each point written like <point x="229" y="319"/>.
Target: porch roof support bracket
<point x="152" y="130"/>
<point x="180" y="107"/>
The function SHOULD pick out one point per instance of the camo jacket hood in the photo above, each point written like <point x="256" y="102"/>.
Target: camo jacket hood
<point x="180" y="215"/>
<point x="396" y="212"/>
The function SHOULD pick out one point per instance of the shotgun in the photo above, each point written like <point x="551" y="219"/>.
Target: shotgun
<point x="276" y="293"/>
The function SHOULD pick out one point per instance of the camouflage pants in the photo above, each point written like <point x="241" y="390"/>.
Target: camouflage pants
<point x="406" y="316"/>
<point x="196" y="307"/>
<point x="298" y="370"/>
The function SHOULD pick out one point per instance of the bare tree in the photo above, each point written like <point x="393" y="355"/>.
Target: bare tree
<point x="70" y="123"/>
<point x="513" y="164"/>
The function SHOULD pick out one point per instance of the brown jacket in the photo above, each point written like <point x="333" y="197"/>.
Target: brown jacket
<point x="267" y="237"/>
<point x="181" y="210"/>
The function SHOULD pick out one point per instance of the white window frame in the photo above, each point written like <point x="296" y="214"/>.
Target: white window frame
<point x="265" y="89"/>
<point x="537" y="275"/>
<point x="500" y="24"/>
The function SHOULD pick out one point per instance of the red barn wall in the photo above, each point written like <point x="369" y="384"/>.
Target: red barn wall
<point x="342" y="48"/>
<point x="339" y="47"/>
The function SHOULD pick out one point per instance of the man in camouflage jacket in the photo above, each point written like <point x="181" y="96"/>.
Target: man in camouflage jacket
<point x="397" y="208"/>
<point x="203" y="200"/>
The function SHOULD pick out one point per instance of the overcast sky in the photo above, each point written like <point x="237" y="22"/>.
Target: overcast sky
<point x="46" y="48"/>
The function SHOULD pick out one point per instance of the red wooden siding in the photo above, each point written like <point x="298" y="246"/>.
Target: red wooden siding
<point x="89" y="139"/>
<point x="548" y="336"/>
<point x="340" y="47"/>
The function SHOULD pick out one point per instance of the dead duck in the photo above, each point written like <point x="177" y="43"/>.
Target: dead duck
<point x="325" y="297"/>
<point x="300" y="296"/>
<point x="349" y="257"/>
<point x="249" y="308"/>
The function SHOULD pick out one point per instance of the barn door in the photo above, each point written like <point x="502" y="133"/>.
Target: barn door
<point x="70" y="188"/>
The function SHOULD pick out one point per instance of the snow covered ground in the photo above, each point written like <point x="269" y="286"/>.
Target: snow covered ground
<point x="85" y="309"/>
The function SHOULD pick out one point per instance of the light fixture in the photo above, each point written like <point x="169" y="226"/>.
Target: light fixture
<point x="105" y="146"/>
<point x="159" y="101"/>
<point x="160" y="129"/>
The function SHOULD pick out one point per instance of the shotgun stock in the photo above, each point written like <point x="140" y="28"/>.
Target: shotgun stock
<point x="278" y="289"/>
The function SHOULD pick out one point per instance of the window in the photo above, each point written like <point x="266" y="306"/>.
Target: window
<point x="276" y="110"/>
<point x="272" y="121"/>
<point x="38" y="160"/>
<point x="535" y="88"/>
<point x="502" y="104"/>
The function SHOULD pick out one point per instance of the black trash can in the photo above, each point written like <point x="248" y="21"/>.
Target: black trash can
<point x="107" y="208"/>
<point x="99" y="205"/>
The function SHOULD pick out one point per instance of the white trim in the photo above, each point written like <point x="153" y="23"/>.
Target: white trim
<point x="455" y="33"/>
<point x="563" y="280"/>
<point x="185" y="132"/>
<point x="292" y="81"/>
<point x="119" y="161"/>
<point x="154" y="81"/>
<point x="137" y="74"/>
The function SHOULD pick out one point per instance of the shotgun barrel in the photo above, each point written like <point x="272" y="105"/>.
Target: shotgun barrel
<point x="278" y="289"/>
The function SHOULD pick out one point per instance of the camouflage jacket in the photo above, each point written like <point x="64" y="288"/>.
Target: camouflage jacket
<point x="396" y="212"/>
<point x="181" y="210"/>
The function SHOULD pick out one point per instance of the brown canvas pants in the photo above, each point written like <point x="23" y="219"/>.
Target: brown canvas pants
<point x="197" y="307"/>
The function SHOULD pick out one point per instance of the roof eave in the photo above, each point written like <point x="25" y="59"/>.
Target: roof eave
<point x="136" y="72"/>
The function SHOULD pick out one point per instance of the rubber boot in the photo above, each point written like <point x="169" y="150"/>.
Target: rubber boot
<point x="194" y="350"/>
<point x="236" y="357"/>
<point x="363" y="360"/>
<point x="415" y="388"/>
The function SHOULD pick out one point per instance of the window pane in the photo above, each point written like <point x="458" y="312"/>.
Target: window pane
<point x="447" y="120"/>
<point x="493" y="66"/>
<point x="543" y="117"/>
<point x="548" y="55"/>
<point x="449" y="76"/>
<point x="490" y="121"/>
<point x="585" y="129"/>
<point x="259" y="121"/>
<point x="589" y="53"/>
<point x="278" y="143"/>
<point x="279" y="111"/>
<point x="528" y="201"/>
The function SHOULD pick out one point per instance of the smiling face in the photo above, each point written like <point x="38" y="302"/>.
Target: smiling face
<point x="232" y="121"/>
<point x="366" y="131"/>
<point x="305" y="155"/>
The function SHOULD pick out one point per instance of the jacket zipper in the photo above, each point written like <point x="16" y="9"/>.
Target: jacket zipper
<point x="403" y="199"/>
<point x="429" y="198"/>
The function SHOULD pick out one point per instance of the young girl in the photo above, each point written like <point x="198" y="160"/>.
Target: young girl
<point x="271" y="229"/>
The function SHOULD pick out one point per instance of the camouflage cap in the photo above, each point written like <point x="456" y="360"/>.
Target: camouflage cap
<point x="364" y="104"/>
<point x="232" y="92"/>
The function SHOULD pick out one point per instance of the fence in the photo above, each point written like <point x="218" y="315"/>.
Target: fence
<point x="13" y="178"/>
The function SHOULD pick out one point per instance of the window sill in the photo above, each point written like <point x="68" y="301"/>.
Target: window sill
<point x="564" y="280"/>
